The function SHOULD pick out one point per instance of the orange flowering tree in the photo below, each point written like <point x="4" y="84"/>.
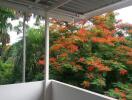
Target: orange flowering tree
<point x="94" y="54"/>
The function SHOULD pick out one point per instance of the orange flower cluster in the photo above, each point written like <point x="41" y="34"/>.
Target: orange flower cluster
<point x="72" y="48"/>
<point x="122" y="94"/>
<point x="96" y="63"/>
<point x="63" y="54"/>
<point x="105" y="30"/>
<point x="101" y="67"/>
<point x="78" y="37"/>
<point x="107" y="40"/>
<point x="56" y="47"/>
<point x="99" y="19"/>
<point x="67" y="43"/>
<point x="125" y="48"/>
<point x="83" y="34"/>
<point x="41" y="62"/>
<point x="52" y="60"/>
<point x="102" y="40"/>
<point x="129" y="62"/>
<point x="82" y="31"/>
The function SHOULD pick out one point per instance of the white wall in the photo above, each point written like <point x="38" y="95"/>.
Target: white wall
<point x="22" y="91"/>
<point x="62" y="91"/>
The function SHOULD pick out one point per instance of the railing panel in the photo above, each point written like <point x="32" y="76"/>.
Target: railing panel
<point x="62" y="91"/>
<point x="22" y="91"/>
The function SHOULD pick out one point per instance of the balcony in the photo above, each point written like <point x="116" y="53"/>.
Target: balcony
<point x="56" y="91"/>
<point x="64" y="10"/>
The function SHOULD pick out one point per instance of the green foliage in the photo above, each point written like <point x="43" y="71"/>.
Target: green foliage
<point x="121" y="91"/>
<point x="6" y="72"/>
<point x="5" y="14"/>
<point x="35" y="49"/>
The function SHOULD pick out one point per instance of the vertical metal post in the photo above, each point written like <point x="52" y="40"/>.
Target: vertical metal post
<point x="46" y="71"/>
<point x="24" y="49"/>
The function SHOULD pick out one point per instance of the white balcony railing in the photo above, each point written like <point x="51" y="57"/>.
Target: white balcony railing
<point x="56" y="91"/>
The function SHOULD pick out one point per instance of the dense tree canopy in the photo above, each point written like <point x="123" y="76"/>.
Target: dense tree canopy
<point x="97" y="58"/>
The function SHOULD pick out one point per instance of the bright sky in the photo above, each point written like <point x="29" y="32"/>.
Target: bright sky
<point x="124" y="14"/>
<point x="14" y="37"/>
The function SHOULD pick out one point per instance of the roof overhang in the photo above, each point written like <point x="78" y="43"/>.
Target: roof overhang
<point x="66" y="9"/>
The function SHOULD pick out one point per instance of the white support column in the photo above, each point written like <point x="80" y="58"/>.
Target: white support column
<point x="46" y="71"/>
<point x="24" y="49"/>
